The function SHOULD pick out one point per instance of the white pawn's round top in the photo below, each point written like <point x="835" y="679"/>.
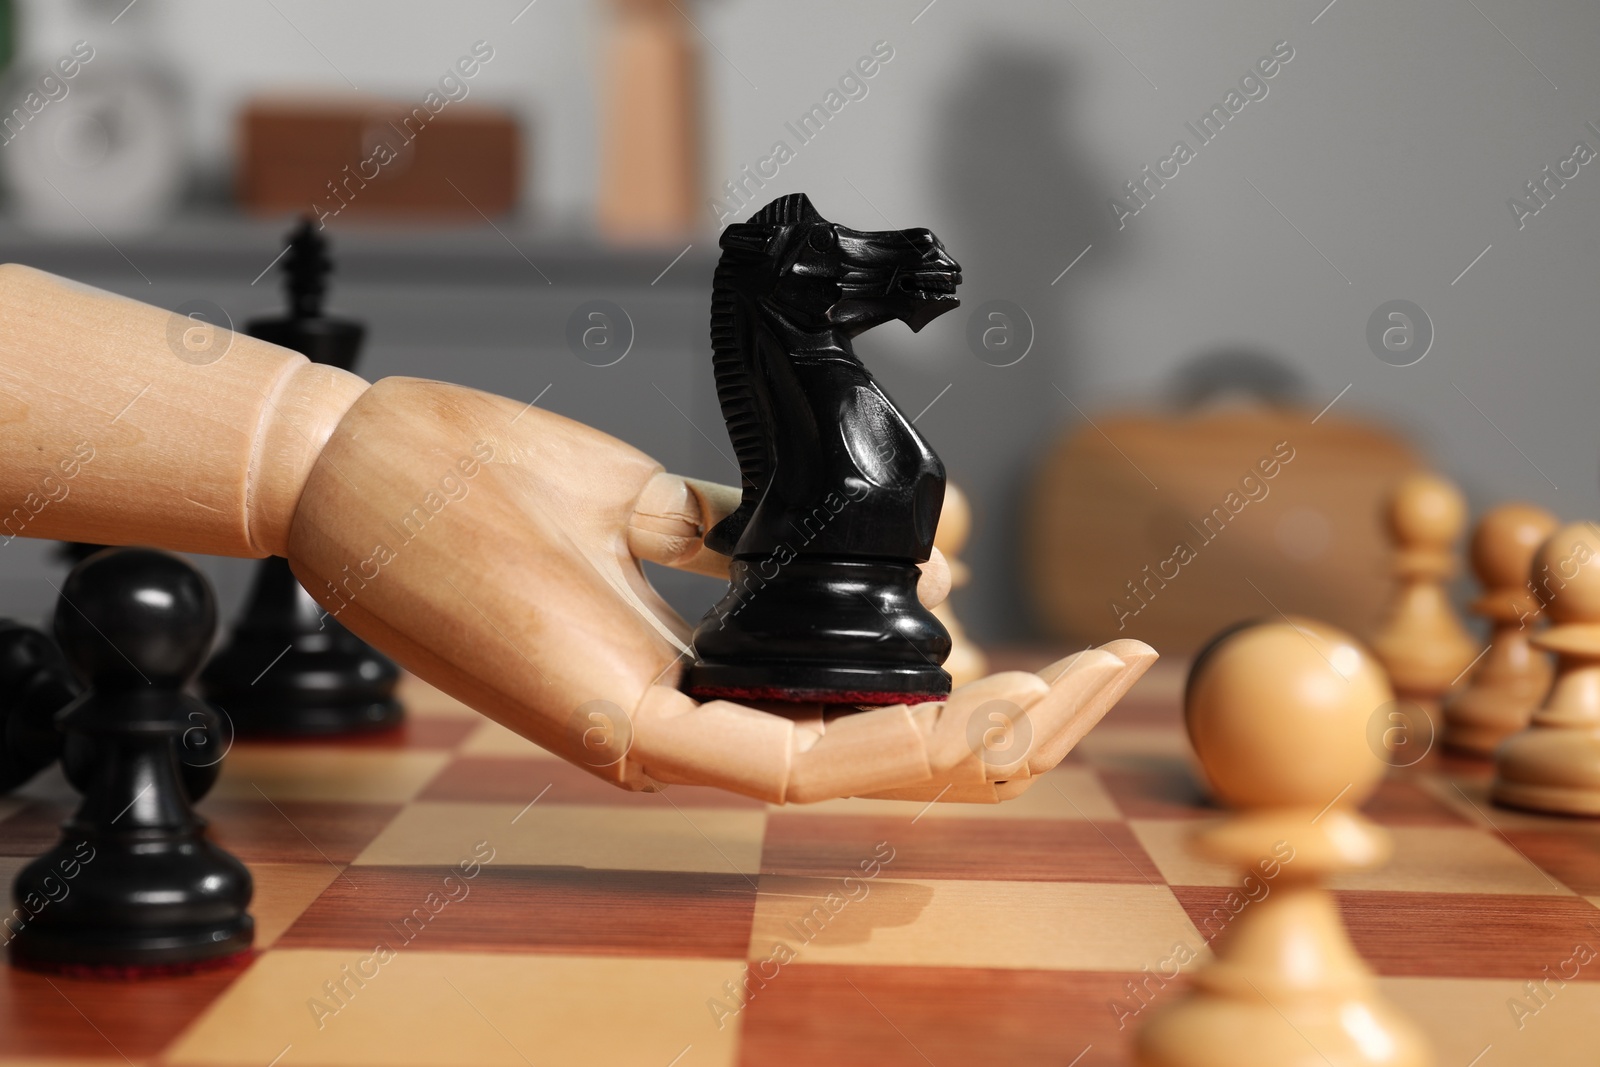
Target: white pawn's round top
<point x="1279" y="714"/>
<point x="1426" y="512"/>
<point x="1566" y="576"/>
<point x="1505" y="541"/>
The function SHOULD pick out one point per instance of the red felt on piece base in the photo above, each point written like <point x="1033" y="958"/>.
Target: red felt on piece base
<point x="130" y="972"/>
<point x="863" y="697"/>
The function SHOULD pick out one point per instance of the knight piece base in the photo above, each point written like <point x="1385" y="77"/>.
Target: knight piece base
<point x="826" y="631"/>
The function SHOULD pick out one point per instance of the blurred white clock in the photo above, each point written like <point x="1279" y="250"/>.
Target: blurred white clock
<point x="108" y="157"/>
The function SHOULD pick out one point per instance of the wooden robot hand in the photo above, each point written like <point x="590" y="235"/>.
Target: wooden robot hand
<point x="492" y="548"/>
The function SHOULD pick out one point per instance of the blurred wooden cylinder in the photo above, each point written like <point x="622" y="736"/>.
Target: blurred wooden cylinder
<point x="355" y="155"/>
<point x="1167" y="527"/>
<point x="650" y="152"/>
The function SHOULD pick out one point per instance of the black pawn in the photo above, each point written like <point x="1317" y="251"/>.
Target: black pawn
<point x="133" y="886"/>
<point x="289" y="669"/>
<point x="36" y="684"/>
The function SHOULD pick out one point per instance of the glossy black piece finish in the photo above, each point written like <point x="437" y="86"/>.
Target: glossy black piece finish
<point x="291" y="669"/>
<point x="36" y="684"/>
<point x="73" y="553"/>
<point x="133" y="883"/>
<point x="288" y="669"/>
<point x="841" y="494"/>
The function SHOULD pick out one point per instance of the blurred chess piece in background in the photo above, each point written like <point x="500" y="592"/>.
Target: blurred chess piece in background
<point x="1513" y="676"/>
<point x="1422" y="643"/>
<point x="966" y="662"/>
<point x="1554" y="763"/>
<point x="650" y="132"/>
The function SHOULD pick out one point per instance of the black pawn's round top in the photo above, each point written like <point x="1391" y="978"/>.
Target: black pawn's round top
<point x="135" y="617"/>
<point x="145" y="889"/>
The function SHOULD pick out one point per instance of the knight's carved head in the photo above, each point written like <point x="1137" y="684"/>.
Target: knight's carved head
<point x="821" y="276"/>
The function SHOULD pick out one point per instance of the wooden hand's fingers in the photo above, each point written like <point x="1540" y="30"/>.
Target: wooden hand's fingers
<point x="933" y="584"/>
<point x="994" y="737"/>
<point x="859" y="752"/>
<point x="670" y="520"/>
<point x="1073" y="709"/>
<point x="989" y="742"/>
<point x="982" y="730"/>
<point x="720" y="744"/>
<point x="944" y="793"/>
<point x="773" y="757"/>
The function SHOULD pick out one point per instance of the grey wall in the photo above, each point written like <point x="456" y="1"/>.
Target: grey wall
<point x="1378" y="166"/>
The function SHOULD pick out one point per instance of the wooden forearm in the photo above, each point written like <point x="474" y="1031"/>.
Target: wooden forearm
<point x="121" y="423"/>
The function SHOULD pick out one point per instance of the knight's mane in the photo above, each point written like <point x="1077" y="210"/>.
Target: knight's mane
<point x="730" y="362"/>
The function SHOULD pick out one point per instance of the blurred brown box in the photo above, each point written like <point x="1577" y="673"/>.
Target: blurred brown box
<point x="376" y="158"/>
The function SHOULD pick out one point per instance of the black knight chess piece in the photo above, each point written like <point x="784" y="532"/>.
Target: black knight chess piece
<point x="841" y="494"/>
<point x="290" y="668"/>
<point x="133" y="885"/>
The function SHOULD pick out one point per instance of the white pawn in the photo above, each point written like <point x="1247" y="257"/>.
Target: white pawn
<point x="1278" y="714"/>
<point x="966" y="662"/>
<point x="1554" y="764"/>
<point x="1422" y="644"/>
<point x="1513" y="676"/>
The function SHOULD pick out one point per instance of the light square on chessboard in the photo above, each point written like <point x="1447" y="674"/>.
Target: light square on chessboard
<point x="1469" y="1020"/>
<point x="1426" y="859"/>
<point x="298" y="772"/>
<point x="718" y="841"/>
<point x="1038" y="925"/>
<point x="453" y="1009"/>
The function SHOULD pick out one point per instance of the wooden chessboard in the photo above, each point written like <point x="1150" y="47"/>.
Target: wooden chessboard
<point x="608" y="926"/>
